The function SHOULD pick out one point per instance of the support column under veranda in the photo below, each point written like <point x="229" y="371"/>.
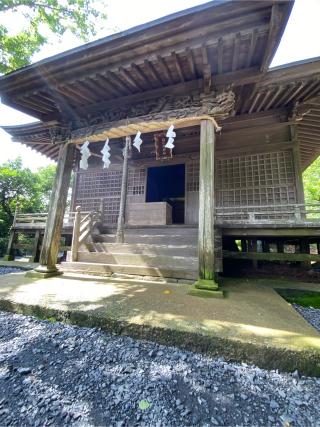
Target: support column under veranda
<point x="54" y="224"/>
<point x="206" y="285"/>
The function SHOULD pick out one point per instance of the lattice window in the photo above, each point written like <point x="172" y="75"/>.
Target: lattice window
<point x="88" y="205"/>
<point x="136" y="181"/>
<point x="193" y="176"/>
<point x="111" y="210"/>
<point x="99" y="183"/>
<point x="257" y="179"/>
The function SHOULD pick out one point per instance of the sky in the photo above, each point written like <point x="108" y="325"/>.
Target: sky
<point x="300" y="41"/>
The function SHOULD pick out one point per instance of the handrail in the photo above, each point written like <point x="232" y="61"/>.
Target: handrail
<point x="298" y="213"/>
<point x="82" y="228"/>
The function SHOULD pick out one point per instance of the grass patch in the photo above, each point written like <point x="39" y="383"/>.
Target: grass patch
<point x="303" y="298"/>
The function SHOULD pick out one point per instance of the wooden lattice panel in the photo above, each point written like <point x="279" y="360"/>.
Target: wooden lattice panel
<point x="193" y="176"/>
<point x="256" y="179"/>
<point x="99" y="183"/>
<point x="136" y="181"/>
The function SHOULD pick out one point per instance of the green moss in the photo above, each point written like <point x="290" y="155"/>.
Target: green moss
<point x="303" y="298"/>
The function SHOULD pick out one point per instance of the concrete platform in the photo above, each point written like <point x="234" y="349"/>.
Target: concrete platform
<point x="252" y="324"/>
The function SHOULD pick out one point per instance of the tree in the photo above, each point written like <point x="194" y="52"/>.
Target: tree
<point x="311" y="181"/>
<point x="18" y="184"/>
<point x="44" y="17"/>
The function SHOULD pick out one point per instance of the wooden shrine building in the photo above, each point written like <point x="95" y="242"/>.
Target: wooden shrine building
<point x="244" y="135"/>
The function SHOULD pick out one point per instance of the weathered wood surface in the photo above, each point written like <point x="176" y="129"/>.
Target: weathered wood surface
<point x="123" y="195"/>
<point x="274" y="256"/>
<point x="183" y="112"/>
<point x="51" y="240"/>
<point x="206" y="252"/>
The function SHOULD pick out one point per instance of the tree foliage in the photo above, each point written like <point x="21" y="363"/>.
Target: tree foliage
<point x="30" y="189"/>
<point x="44" y="17"/>
<point x="311" y="181"/>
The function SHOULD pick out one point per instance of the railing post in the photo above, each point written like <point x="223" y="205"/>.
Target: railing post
<point x="76" y="235"/>
<point x="9" y="256"/>
<point x="297" y="213"/>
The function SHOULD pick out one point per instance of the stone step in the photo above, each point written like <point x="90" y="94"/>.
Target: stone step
<point x="141" y="248"/>
<point x="104" y="269"/>
<point x="189" y="263"/>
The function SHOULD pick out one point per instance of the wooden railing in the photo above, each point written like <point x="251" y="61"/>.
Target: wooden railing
<point x="287" y="214"/>
<point x="83" y="225"/>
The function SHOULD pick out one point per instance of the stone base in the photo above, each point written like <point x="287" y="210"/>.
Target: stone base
<point x="204" y="293"/>
<point x="208" y="285"/>
<point x="205" y="289"/>
<point x="43" y="272"/>
<point x="8" y="258"/>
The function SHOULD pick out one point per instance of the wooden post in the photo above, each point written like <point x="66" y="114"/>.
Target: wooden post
<point x="206" y="283"/>
<point x="123" y="196"/>
<point x="305" y="249"/>
<point x="76" y="235"/>
<point x="52" y="235"/>
<point x="297" y="165"/>
<point x="9" y="256"/>
<point x="318" y="247"/>
<point x="244" y="245"/>
<point x="35" y="246"/>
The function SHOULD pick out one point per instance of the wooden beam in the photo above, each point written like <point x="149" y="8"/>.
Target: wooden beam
<point x="122" y="86"/>
<point x="140" y="75"/>
<point x="157" y="81"/>
<point x="220" y="55"/>
<point x="177" y="64"/>
<point x="129" y="79"/>
<point x="274" y="97"/>
<point x="275" y="25"/>
<point x="236" y="47"/>
<point x="271" y="256"/>
<point x="253" y="43"/>
<point x="191" y="63"/>
<point x="165" y="69"/>
<point x="110" y="87"/>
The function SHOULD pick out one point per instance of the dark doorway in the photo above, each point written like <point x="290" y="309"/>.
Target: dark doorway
<point x="166" y="184"/>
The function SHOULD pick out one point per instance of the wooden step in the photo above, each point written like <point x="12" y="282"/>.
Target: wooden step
<point x="189" y="263"/>
<point x="141" y="248"/>
<point x="104" y="269"/>
<point x="157" y="239"/>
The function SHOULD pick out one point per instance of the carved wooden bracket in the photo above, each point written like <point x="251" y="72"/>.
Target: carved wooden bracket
<point x="183" y="113"/>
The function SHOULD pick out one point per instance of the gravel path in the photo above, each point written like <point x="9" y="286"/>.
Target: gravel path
<point x="57" y="374"/>
<point x="7" y="270"/>
<point x="312" y="315"/>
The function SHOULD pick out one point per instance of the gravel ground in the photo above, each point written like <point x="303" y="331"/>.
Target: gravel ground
<point x="312" y="315"/>
<point x="56" y="374"/>
<point x="7" y="270"/>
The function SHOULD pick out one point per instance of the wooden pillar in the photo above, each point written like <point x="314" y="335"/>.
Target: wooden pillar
<point x="52" y="235"/>
<point x="254" y="248"/>
<point x="244" y="245"/>
<point x="297" y="165"/>
<point x="35" y="246"/>
<point x="206" y="283"/>
<point x="9" y="256"/>
<point x="76" y="235"/>
<point x="305" y="249"/>
<point x="123" y="196"/>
